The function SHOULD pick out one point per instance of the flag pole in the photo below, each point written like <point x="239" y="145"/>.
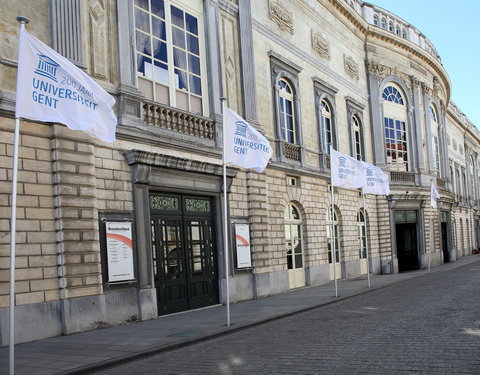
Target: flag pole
<point x="332" y="238"/>
<point x="366" y="239"/>
<point x="225" y="213"/>
<point x="13" y="228"/>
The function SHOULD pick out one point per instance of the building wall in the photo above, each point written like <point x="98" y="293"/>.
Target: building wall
<point x="70" y="183"/>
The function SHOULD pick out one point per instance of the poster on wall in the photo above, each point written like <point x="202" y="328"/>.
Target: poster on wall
<point x="119" y="250"/>
<point x="242" y="241"/>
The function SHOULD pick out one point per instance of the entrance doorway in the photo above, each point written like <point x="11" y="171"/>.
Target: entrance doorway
<point x="294" y="246"/>
<point x="184" y="257"/>
<point x="444" y="228"/>
<point x="407" y="251"/>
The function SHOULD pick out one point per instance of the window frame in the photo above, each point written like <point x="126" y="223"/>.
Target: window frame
<point x="355" y="114"/>
<point x="173" y="93"/>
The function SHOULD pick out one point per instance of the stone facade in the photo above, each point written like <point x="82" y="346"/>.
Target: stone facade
<point x="337" y="59"/>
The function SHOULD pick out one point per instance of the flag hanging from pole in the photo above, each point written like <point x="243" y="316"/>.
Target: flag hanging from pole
<point x="376" y="181"/>
<point x="346" y="171"/>
<point x="433" y="195"/>
<point x="244" y="146"/>
<point x="50" y="88"/>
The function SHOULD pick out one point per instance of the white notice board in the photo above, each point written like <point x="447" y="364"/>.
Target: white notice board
<point x="242" y="241"/>
<point x="119" y="250"/>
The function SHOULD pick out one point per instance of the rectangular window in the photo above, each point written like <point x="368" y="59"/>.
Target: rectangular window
<point x="396" y="144"/>
<point x="168" y="53"/>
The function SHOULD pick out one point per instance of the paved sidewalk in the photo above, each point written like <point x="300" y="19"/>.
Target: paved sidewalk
<point x="84" y="353"/>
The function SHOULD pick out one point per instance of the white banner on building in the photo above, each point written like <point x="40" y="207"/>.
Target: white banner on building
<point x="346" y="171"/>
<point x="242" y="241"/>
<point x="244" y="146"/>
<point x="376" y="181"/>
<point x="119" y="250"/>
<point x="52" y="89"/>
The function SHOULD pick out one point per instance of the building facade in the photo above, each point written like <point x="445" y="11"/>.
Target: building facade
<point x="307" y="74"/>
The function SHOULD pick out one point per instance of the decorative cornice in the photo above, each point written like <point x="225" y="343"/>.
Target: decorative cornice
<point x="280" y="15"/>
<point x="173" y="162"/>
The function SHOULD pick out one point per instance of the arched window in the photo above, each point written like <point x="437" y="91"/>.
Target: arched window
<point x="287" y="116"/>
<point x="464" y="184"/>
<point x="395" y="118"/>
<point x="357" y="138"/>
<point x="361" y="235"/>
<point x="458" y="184"/>
<point x="390" y="26"/>
<point x="335" y="237"/>
<point x="404" y="33"/>
<point x="294" y="244"/>
<point x="397" y="29"/>
<point x="327" y="126"/>
<point x="384" y="23"/>
<point x="375" y="20"/>
<point x="435" y="142"/>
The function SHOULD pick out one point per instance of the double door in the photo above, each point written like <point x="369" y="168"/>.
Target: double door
<point x="183" y="253"/>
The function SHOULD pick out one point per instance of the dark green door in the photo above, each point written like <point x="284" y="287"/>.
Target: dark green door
<point x="407" y="252"/>
<point x="183" y="252"/>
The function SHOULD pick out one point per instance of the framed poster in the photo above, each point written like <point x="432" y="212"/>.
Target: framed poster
<point x="242" y="242"/>
<point x="119" y="250"/>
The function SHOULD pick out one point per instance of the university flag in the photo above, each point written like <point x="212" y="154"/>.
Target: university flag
<point x="244" y="146"/>
<point x="50" y="88"/>
<point x="433" y="195"/>
<point x="376" y="181"/>
<point x="346" y="171"/>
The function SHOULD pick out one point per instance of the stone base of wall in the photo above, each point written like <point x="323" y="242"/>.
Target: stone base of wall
<point x="436" y="259"/>
<point x="49" y="319"/>
<point x="267" y="284"/>
<point x="318" y="275"/>
<point x="241" y="288"/>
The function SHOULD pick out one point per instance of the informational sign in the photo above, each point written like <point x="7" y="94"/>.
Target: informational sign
<point x="119" y="250"/>
<point x="242" y="241"/>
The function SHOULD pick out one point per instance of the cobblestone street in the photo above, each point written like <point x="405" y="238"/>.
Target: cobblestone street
<point x="427" y="325"/>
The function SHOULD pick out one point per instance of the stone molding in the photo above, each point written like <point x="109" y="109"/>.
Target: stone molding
<point x="351" y="67"/>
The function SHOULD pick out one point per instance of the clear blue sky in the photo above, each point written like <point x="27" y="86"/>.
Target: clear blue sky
<point x="452" y="28"/>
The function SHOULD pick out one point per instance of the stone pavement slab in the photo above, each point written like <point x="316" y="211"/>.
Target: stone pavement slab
<point x="83" y="353"/>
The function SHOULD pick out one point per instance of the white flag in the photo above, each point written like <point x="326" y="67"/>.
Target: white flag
<point x="244" y="146"/>
<point x="50" y="88"/>
<point x="433" y="195"/>
<point x="376" y="181"/>
<point x="346" y="171"/>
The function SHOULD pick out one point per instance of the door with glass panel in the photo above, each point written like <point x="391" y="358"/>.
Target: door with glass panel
<point x="294" y="246"/>
<point x="183" y="252"/>
<point x="335" y="266"/>
<point x="362" y="242"/>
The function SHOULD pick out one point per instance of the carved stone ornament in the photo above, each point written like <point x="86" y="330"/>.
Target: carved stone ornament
<point x="281" y="16"/>
<point x="320" y="45"/>
<point x="351" y="67"/>
<point x="376" y="69"/>
<point x="426" y="89"/>
<point x="436" y="86"/>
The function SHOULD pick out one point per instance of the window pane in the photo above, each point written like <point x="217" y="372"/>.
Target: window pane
<point x="180" y="79"/>
<point x="158" y="28"/>
<point x="177" y="17"/>
<point x="144" y="66"/>
<point x="178" y="37"/>
<point x="194" y="64"/>
<point x="158" y="8"/>
<point x="180" y="58"/>
<point x="195" y="85"/>
<point x="161" y="72"/>
<point x="192" y="43"/>
<point x="143" y="43"/>
<point x="142" y="4"/>
<point x="142" y="20"/>
<point x="191" y="24"/>
<point x="159" y="50"/>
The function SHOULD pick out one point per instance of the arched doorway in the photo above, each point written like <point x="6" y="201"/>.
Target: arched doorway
<point x="333" y="230"/>
<point x="294" y="246"/>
